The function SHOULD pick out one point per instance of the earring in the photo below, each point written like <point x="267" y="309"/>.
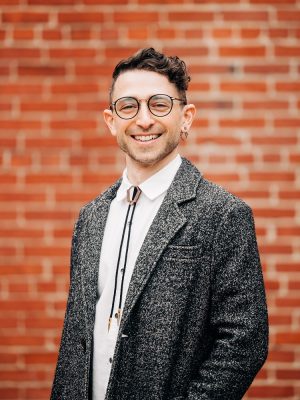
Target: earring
<point x="184" y="133"/>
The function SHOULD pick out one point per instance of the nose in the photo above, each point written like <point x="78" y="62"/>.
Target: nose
<point x="144" y="118"/>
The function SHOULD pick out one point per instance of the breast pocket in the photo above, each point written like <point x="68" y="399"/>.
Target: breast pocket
<point x="181" y="253"/>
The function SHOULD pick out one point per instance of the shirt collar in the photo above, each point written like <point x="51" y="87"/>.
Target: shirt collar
<point x="154" y="186"/>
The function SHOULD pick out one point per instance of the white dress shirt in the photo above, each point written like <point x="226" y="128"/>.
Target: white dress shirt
<point x="153" y="192"/>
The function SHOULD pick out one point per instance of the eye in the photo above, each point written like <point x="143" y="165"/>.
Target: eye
<point x="160" y="103"/>
<point x="127" y="105"/>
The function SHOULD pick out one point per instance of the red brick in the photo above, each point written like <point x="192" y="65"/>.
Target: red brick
<point x="101" y="2"/>
<point x="188" y="16"/>
<point x="288" y="374"/>
<point x="7" y="178"/>
<point x="40" y="358"/>
<point x="216" y="1"/>
<point x="272" y="176"/>
<point x="135" y="17"/>
<point x="30" y="376"/>
<point x="289" y="303"/>
<point x="278" y="32"/>
<point x="48" y="178"/>
<point x="20" y="125"/>
<point x="22" y="196"/>
<point x="273" y="2"/>
<point x="7" y="142"/>
<point x="82" y="34"/>
<point x="48" y="215"/>
<point x="23" y="34"/>
<point x="221" y="178"/>
<point x="5" y="107"/>
<point x="9" y="2"/>
<point x="265" y="104"/>
<point x="294" y="285"/>
<point x="243" y="86"/>
<point x="80" y="17"/>
<point x="241" y="123"/>
<point x="74" y="124"/>
<point x="9" y="392"/>
<point x="276" y="140"/>
<point x="76" y="53"/>
<point x="25" y="17"/>
<point x="267" y="69"/>
<point x="109" y="34"/>
<point x="140" y="33"/>
<point x="221" y="140"/>
<point x="289" y="231"/>
<point x="52" y="34"/>
<point x="21" y="233"/>
<point x="271" y="392"/>
<point x="287" y="122"/>
<point x="279" y="319"/>
<point x="289" y="267"/>
<point x="38" y="393"/>
<point x="51" y="143"/>
<point x="250" y="33"/>
<point x="288" y="338"/>
<point x="4" y="71"/>
<point x="288" y="86"/>
<point x="41" y="70"/>
<point x="273" y="158"/>
<point x="282" y="356"/>
<point x="43" y="106"/>
<point x="53" y="2"/>
<point x="22" y="305"/>
<point x="19" y="53"/>
<point x="244" y="15"/>
<point x="222" y="33"/>
<point x="287" y="51"/>
<point x="239" y="51"/>
<point x="20" y="88"/>
<point x="210" y="69"/>
<point x="288" y="15"/>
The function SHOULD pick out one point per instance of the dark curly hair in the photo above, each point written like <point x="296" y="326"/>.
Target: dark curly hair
<point x="151" y="60"/>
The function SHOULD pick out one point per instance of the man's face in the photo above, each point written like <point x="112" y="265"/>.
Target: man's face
<point x="147" y="139"/>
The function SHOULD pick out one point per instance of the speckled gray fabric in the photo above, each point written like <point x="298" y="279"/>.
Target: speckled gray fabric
<point x="194" y="324"/>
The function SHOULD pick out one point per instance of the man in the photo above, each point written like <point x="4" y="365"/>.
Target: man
<point x="166" y="297"/>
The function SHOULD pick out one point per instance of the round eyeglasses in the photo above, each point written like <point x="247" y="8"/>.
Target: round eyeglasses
<point x="159" y="105"/>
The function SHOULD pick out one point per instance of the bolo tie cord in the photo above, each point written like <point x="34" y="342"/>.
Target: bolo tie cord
<point x="132" y="204"/>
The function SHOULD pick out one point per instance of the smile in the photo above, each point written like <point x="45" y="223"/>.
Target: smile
<point x="145" y="138"/>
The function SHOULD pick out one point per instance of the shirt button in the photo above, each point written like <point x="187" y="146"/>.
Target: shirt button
<point x="110" y="360"/>
<point x="116" y="315"/>
<point x="122" y="270"/>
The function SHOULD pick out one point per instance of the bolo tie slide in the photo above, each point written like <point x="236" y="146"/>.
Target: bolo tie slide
<point x="132" y="200"/>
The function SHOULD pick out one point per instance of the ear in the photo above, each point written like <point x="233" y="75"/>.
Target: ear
<point x="110" y="121"/>
<point x="189" y="112"/>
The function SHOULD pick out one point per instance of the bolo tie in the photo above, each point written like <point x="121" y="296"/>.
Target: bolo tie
<point x="132" y="200"/>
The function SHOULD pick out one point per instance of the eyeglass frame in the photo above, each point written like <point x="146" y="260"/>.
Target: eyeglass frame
<point x="113" y="104"/>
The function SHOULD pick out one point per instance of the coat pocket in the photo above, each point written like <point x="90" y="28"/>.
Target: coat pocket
<point x="176" y="252"/>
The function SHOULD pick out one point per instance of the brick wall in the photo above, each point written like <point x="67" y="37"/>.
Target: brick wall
<point x="56" y="57"/>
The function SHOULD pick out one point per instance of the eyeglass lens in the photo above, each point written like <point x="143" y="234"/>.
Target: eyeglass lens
<point x="159" y="105"/>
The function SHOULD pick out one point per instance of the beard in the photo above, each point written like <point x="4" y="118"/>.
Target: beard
<point x="148" y="157"/>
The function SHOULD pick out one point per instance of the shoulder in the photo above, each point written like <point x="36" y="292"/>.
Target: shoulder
<point x="100" y="202"/>
<point x="210" y="194"/>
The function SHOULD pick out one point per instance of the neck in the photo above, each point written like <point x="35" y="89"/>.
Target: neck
<point x="138" y="173"/>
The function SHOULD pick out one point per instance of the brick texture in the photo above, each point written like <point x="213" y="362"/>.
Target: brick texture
<point x="56" y="57"/>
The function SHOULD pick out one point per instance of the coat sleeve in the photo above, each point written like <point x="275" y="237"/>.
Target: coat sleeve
<point x="238" y="318"/>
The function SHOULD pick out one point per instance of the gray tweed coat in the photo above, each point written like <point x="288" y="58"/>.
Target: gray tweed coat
<point x="194" y="324"/>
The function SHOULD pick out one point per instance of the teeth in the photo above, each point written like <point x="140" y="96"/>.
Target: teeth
<point x="146" y="138"/>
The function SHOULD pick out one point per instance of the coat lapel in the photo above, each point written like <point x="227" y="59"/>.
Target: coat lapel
<point x="168" y="221"/>
<point x="90" y="253"/>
